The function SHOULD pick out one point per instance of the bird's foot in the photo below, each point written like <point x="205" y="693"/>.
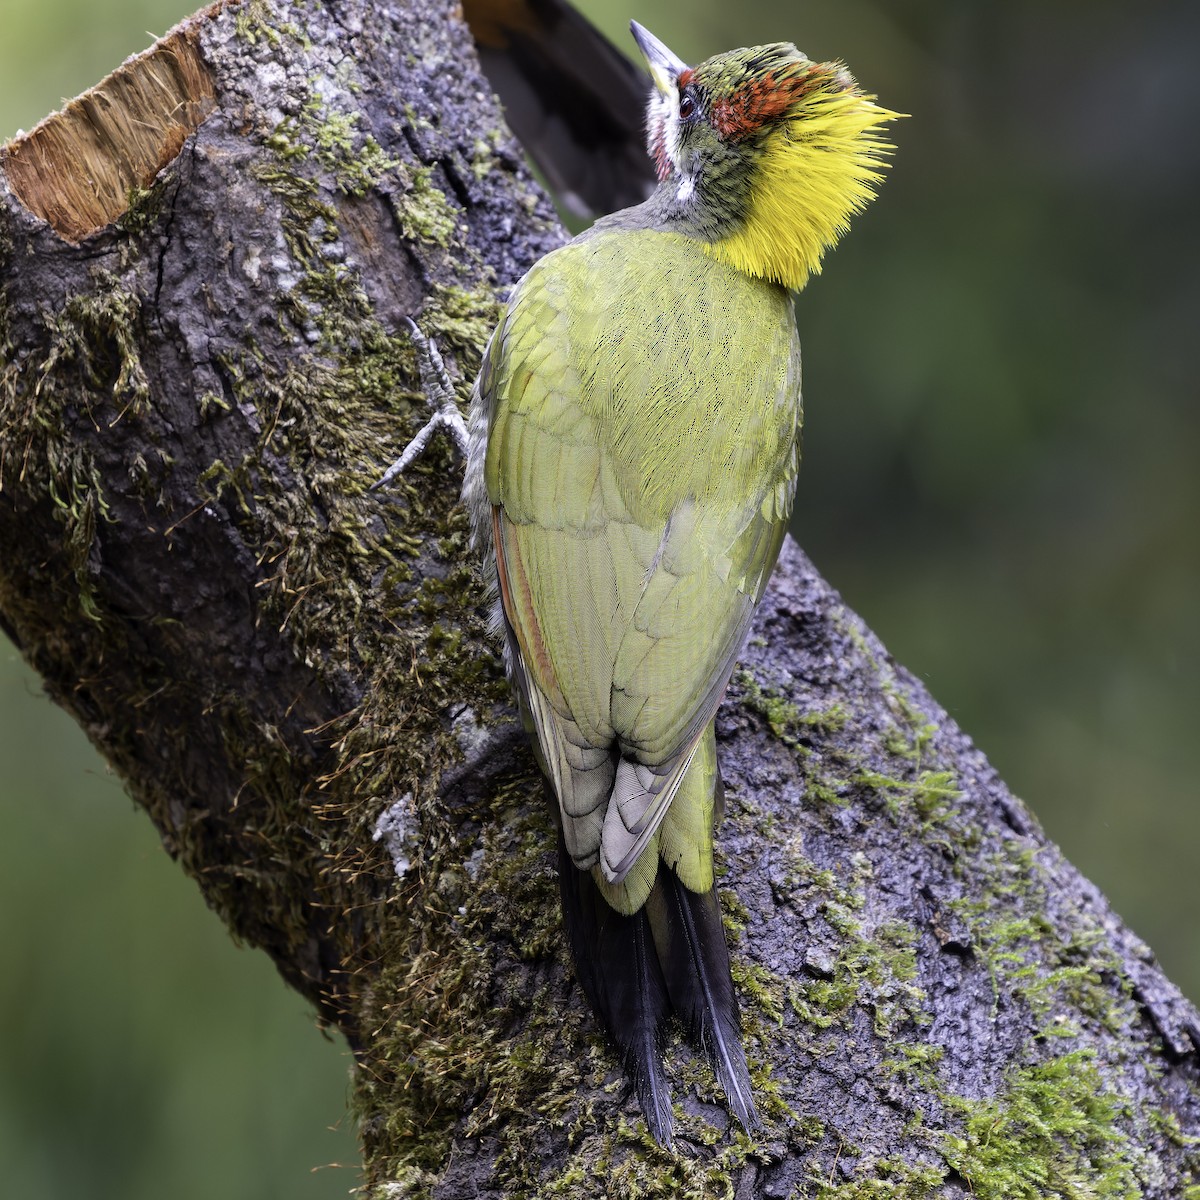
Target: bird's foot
<point x="439" y="394"/>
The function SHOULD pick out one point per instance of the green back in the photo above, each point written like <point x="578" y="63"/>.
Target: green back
<point x="643" y="470"/>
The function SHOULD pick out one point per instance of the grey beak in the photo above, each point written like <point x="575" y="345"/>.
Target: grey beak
<point x="665" y="67"/>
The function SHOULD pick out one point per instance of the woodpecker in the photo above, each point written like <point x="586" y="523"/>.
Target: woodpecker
<point x="632" y="450"/>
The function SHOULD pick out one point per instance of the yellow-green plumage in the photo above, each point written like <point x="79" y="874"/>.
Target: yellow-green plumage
<point x="643" y="469"/>
<point x="633" y="451"/>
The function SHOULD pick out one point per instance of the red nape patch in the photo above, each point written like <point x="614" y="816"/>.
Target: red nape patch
<point x="758" y="101"/>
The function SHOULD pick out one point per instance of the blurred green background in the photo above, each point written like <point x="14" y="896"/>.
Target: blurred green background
<point x="1001" y="476"/>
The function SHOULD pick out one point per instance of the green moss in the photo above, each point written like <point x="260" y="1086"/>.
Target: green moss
<point x="784" y="718"/>
<point x="143" y="207"/>
<point x="1061" y="981"/>
<point x="91" y="364"/>
<point x="632" y="1167"/>
<point x="877" y="972"/>
<point x="930" y="795"/>
<point x="355" y="161"/>
<point x="96" y="337"/>
<point x="881" y="1179"/>
<point x="426" y="214"/>
<point x="781" y="715"/>
<point x="254" y="23"/>
<point x="461" y="320"/>
<point x="917" y="1061"/>
<point x="914" y="734"/>
<point x="766" y="989"/>
<point x="211" y="404"/>
<point x="834" y="794"/>
<point x="483" y="156"/>
<point x="1054" y="1131"/>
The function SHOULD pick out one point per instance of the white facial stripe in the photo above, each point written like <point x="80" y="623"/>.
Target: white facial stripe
<point x="658" y="109"/>
<point x="687" y="185"/>
<point x="662" y="114"/>
<point x="672" y="130"/>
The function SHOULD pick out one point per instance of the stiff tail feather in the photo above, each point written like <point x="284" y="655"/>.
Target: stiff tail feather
<point x="618" y="969"/>
<point x="690" y="941"/>
<point x="669" y="956"/>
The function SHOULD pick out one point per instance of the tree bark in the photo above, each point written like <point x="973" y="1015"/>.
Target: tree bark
<point x="203" y="266"/>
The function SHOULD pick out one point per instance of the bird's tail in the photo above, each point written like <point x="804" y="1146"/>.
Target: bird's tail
<point x="669" y="956"/>
<point x="575" y="102"/>
<point x="690" y="941"/>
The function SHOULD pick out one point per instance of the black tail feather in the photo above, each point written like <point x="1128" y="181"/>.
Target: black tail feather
<point x="619" y="971"/>
<point x="669" y="956"/>
<point x="690" y="940"/>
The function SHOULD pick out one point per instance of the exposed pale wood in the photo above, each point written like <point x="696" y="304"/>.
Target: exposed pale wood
<point x="77" y="167"/>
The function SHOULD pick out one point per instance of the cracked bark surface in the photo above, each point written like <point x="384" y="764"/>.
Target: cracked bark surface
<point x="292" y="676"/>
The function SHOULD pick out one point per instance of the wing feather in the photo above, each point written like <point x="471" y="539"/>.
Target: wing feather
<point x="635" y="523"/>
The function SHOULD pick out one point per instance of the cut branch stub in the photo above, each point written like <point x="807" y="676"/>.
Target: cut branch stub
<point x="77" y="168"/>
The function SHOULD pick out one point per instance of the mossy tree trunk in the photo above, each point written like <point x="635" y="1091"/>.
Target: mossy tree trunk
<point x="203" y="265"/>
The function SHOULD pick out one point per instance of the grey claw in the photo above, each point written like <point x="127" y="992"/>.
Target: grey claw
<point x="439" y="394"/>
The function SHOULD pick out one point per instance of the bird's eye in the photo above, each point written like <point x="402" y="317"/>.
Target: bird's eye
<point x="687" y="106"/>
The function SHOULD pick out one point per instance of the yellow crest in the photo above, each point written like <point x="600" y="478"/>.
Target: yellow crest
<point x="816" y="169"/>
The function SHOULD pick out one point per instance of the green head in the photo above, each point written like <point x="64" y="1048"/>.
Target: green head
<point x="762" y="154"/>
